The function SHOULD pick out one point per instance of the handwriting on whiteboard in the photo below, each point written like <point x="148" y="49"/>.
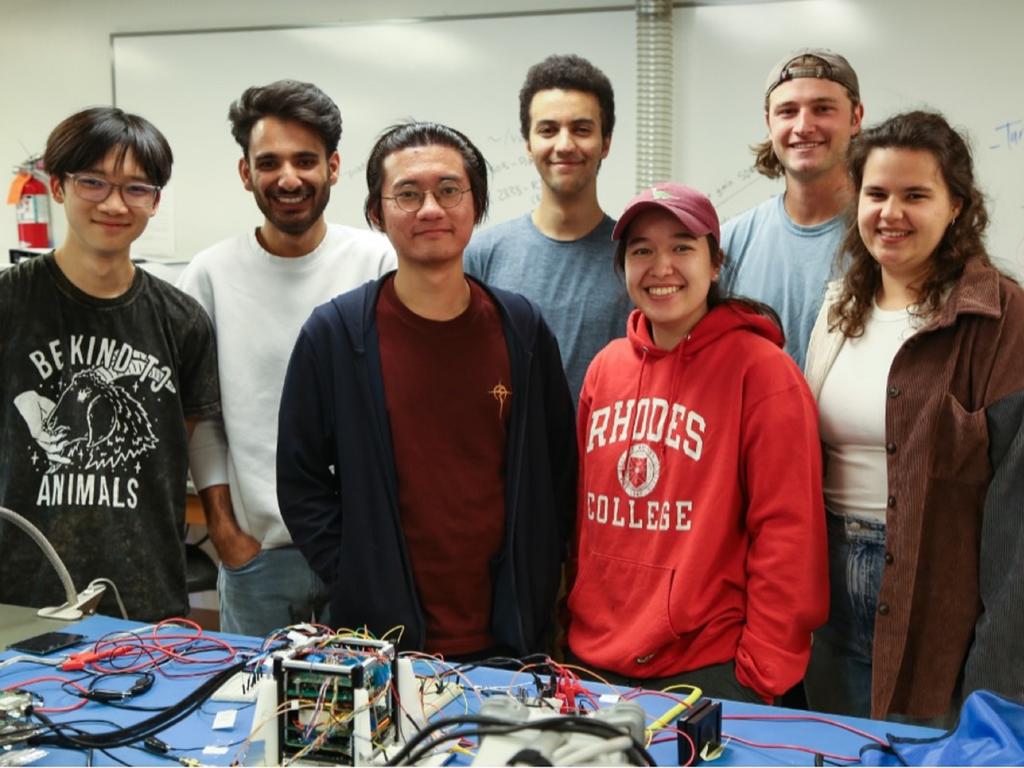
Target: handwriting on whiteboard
<point x="733" y="186"/>
<point x="1009" y="135"/>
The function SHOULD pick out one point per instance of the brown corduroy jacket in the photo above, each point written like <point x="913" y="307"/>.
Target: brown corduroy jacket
<point x="951" y="605"/>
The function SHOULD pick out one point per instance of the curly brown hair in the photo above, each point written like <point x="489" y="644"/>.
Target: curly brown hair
<point x="962" y="240"/>
<point x="567" y="73"/>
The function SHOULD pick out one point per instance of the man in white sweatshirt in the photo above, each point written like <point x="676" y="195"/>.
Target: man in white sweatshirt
<point x="259" y="287"/>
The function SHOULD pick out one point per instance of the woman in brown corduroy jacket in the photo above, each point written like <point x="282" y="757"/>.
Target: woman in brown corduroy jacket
<point x="917" y="362"/>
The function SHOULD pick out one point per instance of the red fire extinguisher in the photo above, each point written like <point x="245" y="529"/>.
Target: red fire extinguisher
<point x="28" y="192"/>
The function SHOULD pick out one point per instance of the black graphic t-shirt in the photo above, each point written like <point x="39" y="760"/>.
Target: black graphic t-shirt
<point x="94" y="394"/>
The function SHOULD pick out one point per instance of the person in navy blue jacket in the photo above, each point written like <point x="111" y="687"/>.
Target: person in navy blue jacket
<point x="426" y="462"/>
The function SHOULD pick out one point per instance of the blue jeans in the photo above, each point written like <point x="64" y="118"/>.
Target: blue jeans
<point x="273" y="590"/>
<point x="838" y="678"/>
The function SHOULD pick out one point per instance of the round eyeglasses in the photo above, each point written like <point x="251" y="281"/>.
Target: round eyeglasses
<point x="411" y="200"/>
<point x="96" y="189"/>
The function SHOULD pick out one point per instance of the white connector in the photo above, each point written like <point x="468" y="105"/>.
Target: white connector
<point x="560" y="747"/>
<point x="84" y="605"/>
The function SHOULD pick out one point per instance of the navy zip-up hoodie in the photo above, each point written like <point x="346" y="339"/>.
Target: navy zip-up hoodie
<point x="338" y="488"/>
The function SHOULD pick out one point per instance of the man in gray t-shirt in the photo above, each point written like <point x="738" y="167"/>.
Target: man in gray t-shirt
<point x="560" y="255"/>
<point x="783" y="251"/>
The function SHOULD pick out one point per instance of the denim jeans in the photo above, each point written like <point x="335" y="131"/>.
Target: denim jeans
<point x="838" y="678"/>
<point x="273" y="590"/>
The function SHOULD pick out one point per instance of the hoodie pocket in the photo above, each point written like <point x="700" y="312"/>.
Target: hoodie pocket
<point x="620" y="610"/>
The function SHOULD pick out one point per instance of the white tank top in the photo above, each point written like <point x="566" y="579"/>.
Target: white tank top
<point x="852" y="415"/>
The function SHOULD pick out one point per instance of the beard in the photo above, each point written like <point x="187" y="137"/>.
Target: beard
<point x="294" y="222"/>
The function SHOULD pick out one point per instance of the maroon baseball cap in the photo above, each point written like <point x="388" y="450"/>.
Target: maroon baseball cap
<point x="692" y="208"/>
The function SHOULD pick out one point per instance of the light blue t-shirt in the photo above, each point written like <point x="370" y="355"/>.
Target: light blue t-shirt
<point x="582" y="297"/>
<point x="771" y="259"/>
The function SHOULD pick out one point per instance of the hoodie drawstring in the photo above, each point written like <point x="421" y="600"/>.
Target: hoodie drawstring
<point x="632" y="422"/>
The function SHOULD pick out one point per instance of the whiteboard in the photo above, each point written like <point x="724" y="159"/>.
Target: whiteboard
<point x="962" y="58"/>
<point x="464" y="72"/>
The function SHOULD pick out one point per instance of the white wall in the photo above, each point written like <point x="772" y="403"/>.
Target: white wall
<point x="55" y="55"/>
<point x="56" y="58"/>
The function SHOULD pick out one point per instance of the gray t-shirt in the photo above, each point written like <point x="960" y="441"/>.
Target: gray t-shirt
<point x="771" y="259"/>
<point x="582" y="297"/>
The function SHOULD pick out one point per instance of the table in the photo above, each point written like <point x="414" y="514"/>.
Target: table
<point x="195" y="733"/>
<point x="18" y="622"/>
<point x="189" y="737"/>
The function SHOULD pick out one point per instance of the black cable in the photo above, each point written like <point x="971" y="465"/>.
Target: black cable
<point x="509" y="663"/>
<point x="141" y="683"/>
<point x="112" y="757"/>
<point x="73" y="725"/>
<point x="138" y="732"/>
<point x="49" y="727"/>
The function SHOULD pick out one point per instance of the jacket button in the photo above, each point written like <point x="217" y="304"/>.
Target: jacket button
<point x="894" y="391"/>
<point x="883" y="608"/>
<point x="644" y="659"/>
<point x="889" y="558"/>
<point x="891" y="501"/>
<point x="890" y="447"/>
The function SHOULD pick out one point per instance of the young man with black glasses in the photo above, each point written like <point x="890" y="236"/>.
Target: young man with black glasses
<point x="105" y="368"/>
<point x="426" y="456"/>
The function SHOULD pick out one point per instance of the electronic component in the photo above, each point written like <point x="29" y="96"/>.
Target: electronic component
<point x="552" y="740"/>
<point x="16" y="724"/>
<point x="336" y="700"/>
<point x="48" y="642"/>
<point x="703" y="724"/>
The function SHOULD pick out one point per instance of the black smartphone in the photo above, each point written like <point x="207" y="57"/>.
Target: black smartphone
<point x="48" y="642"/>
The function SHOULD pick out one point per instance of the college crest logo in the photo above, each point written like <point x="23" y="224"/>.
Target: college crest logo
<point x="638" y="470"/>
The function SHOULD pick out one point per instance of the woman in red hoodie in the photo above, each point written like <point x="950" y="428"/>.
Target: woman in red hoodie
<point x="700" y="553"/>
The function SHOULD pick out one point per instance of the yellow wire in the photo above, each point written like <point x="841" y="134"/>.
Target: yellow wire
<point x="678" y="709"/>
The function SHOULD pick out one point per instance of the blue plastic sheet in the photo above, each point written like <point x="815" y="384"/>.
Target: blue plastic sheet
<point x="990" y="731"/>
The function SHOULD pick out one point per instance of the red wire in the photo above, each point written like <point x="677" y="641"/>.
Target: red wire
<point x="685" y="735"/>
<point x="808" y="750"/>
<point x="56" y="679"/>
<point x="813" y="719"/>
<point x="160" y="646"/>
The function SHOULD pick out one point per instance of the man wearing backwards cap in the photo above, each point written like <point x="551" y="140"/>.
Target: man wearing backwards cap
<point x="782" y="251"/>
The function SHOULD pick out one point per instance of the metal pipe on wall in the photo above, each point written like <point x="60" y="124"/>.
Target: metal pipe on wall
<point x="653" y="92"/>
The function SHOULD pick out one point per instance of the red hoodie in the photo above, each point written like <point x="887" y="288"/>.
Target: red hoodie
<point x="701" y="528"/>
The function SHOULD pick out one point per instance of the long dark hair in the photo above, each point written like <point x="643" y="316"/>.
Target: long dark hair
<point x="963" y="239"/>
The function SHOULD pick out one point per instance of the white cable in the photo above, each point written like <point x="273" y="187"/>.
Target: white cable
<point x="568" y="754"/>
<point x="117" y="595"/>
<point x="70" y="594"/>
<point x="56" y="662"/>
